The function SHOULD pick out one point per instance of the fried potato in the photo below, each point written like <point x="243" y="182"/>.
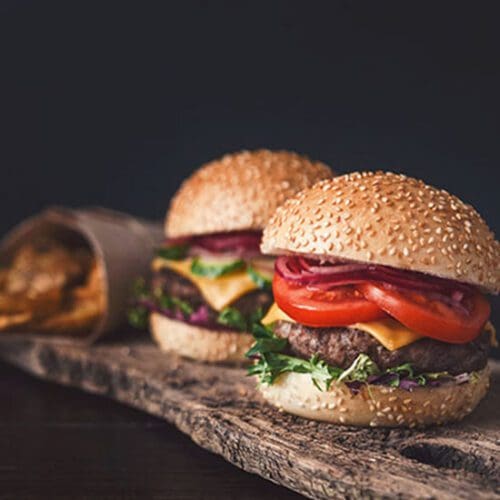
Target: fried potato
<point x="51" y="288"/>
<point x="38" y="305"/>
<point x="93" y="287"/>
<point x="11" y="321"/>
<point x="3" y="277"/>
<point x="41" y="266"/>
<point x="81" y="316"/>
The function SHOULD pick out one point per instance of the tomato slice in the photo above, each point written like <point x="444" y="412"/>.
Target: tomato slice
<point x="341" y="306"/>
<point x="428" y="316"/>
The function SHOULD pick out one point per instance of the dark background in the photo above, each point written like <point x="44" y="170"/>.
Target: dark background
<point x="113" y="103"/>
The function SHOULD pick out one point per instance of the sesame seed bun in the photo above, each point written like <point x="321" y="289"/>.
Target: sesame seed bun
<point x="375" y="405"/>
<point x="239" y="191"/>
<point x="199" y="343"/>
<point x="388" y="219"/>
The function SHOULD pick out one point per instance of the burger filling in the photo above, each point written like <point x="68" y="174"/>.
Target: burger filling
<point x="216" y="281"/>
<point x="371" y="324"/>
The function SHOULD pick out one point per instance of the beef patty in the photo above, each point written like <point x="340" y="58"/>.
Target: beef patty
<point x="176" y="285"/>
<point x="340" y="347"/>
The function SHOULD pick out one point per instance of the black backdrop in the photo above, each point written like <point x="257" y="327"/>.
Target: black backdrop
<point x="113" y="103"/>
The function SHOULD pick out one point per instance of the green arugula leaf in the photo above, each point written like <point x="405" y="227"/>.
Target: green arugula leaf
<point x="230" y="316"/>
<point x="215" y="270"/>
<point x="436" y="375"/>
<point x="260" y="280"/>
<point x="395" y="381"/>
<point x="271" y="365"/>
<point x="255" y="317"/>
<point x="265" y="341"/>
<point x="138" y="317"/>
<point x="140" y="289"/>
<point x="174" y="252"/>
<point x="405" y="370"/>
<point x="163" y="300"/>
<point x="322" y="374"/>
<point x="260" y="331"/>
<point x="168" y="302"/>
<point x="184" y="306"/>
<point x="271" y="362"/>
<point x="361" y="368"/>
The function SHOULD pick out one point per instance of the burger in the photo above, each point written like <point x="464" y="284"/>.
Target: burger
<point x="380" y="315"/>
<point x="210" y="281"/>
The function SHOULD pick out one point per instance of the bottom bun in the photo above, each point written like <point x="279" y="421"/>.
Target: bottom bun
<point x="375" y="405"/>
<point x="199" y="343"/>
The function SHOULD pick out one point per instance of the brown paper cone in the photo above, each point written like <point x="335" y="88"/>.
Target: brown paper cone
<point x="123" y="246"/>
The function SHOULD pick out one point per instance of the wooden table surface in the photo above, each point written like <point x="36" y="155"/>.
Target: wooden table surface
<point x="58" y="442"/>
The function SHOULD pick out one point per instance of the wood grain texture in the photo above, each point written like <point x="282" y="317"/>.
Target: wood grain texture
<point x="220" y="410"/>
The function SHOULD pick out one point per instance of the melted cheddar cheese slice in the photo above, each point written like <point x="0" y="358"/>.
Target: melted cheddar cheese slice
<point x="389" y="332"/>
<point x="275" y="314"/>
<point x="218" y="292"/>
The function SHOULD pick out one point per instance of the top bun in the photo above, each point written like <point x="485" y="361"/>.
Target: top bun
<point x="388" y="219"/>
<point x="239" y="191"/>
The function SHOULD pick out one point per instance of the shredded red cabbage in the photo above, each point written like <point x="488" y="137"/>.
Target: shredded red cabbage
<point x="199" y="317"/>
<point x="409" y="384"/>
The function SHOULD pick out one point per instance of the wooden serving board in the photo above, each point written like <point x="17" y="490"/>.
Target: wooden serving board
<point x="220" y="410"/>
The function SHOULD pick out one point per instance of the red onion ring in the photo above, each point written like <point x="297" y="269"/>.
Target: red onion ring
<point x="237" y="243"/>
<point x="329" y="275"/>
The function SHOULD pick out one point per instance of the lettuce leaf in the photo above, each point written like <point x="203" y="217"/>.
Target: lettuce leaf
<point x="260" y="280"/>
<point x="271" y="362"/>
<point x="361" y="368"/>
<point x="230" y="316"/>
<point x="143" y="300"/>
<point x="138" y="317"/>
<point x="271" y="365"/>
<point x="201" y="268"/>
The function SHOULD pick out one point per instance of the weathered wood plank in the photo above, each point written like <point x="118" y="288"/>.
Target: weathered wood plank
<point x="220" y="410"/>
